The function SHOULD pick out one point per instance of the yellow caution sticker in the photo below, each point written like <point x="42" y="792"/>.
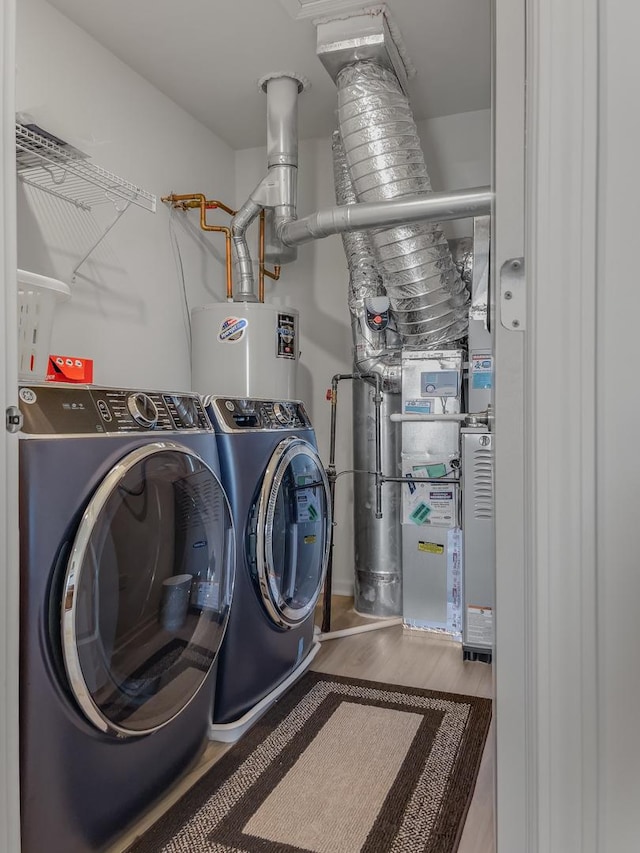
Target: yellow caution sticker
<point x="310" y="540"/>
<point x="431" y="547"/>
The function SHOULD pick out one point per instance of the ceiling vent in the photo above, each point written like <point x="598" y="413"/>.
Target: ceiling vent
<point x="300" y="9"/>
<point x="364" y="36"/>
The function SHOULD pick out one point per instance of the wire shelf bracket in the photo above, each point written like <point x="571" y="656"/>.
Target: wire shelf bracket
<point x="60" y="170"/>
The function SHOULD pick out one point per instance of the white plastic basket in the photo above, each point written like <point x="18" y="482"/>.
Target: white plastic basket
<point x="38" y="296"/>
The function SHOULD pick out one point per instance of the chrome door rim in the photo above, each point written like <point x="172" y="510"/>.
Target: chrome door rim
<point x="285" y="617"/>
<point x="73" y="576"/>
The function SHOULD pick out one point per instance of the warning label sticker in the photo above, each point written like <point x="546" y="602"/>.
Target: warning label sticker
<point x="441" y="503"/>
<point x="481" y="371"/>
<point x="431" y="547"/>
<point x="479" y="625"/>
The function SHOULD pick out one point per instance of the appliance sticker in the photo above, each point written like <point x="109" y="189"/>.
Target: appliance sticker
<point x="232" y="329"/>
<point x="419" y="407"/>
<point x="307" y="504"/>
<point x="431" y="547"/>
<point x="286" y="335"/>
<point x="454" y="581"/>
<point x="428" y="503"/>
<point x="412" y="485"/>
<point x="479" y="625"/>
<point x="437" y="470"/>
<point x="421" y="513"/>
<point x="441" y="504"/>
<point x="481" y="371"/>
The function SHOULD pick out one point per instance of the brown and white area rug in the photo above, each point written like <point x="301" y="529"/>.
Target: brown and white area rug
<point x="338" y="765"/>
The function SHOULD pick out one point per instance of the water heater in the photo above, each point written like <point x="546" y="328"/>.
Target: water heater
<point x="245" y="349"/>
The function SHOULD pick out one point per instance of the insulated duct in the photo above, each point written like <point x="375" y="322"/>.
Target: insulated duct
<point x="370" y="347"/>
<point x="385" y="162"/>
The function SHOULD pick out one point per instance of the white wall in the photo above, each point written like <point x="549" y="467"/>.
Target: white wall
<point x="458" y="154"/>
<point x="126" y="311"/>
<point x="457" y="151"/>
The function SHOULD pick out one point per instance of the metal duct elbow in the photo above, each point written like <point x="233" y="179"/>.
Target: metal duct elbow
<point x="385" y="162"/>
<point x="239" y="223"/>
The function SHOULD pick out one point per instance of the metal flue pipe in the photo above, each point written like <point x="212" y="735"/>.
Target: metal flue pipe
<point x="278" y="188"/>
<point x="435" y="207"/>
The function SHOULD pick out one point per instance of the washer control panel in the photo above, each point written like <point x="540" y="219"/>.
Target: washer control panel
<point x="88" y="410"/>
<point x="238" y="415"/>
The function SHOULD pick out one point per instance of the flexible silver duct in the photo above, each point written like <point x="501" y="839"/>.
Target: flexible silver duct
<point x="365" y="280"/>
<point x="385" y="162"/>
<point x="371" y="350"/>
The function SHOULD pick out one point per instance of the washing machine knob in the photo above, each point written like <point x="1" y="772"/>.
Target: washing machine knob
<point x="143" y="410"/>
<point x="282" y="413"/>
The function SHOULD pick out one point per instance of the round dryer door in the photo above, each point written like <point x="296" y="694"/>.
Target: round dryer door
<point x="291" y="532"/>
<point x="147" y="589"/>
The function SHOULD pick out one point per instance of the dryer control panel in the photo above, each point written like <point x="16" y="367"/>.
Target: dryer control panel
<point x="239" y="415"/>
<point x="88" y="410"/>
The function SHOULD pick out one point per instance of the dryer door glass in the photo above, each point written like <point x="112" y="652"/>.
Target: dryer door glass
<point x="147" y="589"/>
<point x="289" y="542"/>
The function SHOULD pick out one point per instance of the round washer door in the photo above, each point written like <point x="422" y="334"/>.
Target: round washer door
<point x="147" y="589"/>
<point x="292" y="532"/>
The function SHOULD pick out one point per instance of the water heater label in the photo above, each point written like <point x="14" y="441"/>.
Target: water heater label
<point x="286" y="336"/>
<point x="232" y="329"/>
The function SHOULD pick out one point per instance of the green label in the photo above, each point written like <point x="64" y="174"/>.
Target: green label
<point x="438" y="470"/>
<point x="420" y="513"/>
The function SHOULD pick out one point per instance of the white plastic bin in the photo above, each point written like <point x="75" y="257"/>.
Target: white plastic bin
<point x="38" y="296"/>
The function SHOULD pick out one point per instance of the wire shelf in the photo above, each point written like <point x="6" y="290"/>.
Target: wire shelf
<point x="64" y="172"/>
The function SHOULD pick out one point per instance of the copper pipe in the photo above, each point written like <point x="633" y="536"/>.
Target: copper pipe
<point x="262" y="271"/>
<point x="212" y="203"/>
<point x="194" y="200"/>
<point x="261" y="259"/>
<point x="275" y="275"/>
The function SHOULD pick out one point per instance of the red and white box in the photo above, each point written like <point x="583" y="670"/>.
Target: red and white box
<point x="70" y="368"/>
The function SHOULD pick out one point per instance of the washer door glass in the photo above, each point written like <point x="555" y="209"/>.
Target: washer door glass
<point x="147" y="589"/>
<point x="289" y="540"/>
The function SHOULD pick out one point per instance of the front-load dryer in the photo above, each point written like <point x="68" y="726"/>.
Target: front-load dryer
<point x="280" y="503"/>
<point x="127" y="563"/>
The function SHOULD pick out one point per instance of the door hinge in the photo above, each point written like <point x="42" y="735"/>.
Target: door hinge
<point x="14" y="419"/>
<point x="513" y="297"/>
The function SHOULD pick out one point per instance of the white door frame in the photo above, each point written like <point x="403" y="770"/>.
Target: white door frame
<point x="9" y="576"/>
<point x="546" y="697"/>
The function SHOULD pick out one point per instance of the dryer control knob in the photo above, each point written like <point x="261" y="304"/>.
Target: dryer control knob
<point x="143" y="410"/>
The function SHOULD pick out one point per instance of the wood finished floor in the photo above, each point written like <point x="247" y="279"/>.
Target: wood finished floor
<point x="397" y="656"/>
